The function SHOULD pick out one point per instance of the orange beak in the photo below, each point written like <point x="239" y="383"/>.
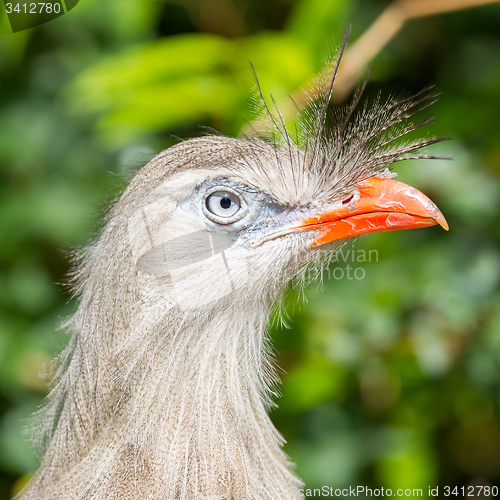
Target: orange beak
<point x="384" y="205"/>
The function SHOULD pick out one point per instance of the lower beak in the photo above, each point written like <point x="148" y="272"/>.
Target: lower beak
<point x="384" y="205"/>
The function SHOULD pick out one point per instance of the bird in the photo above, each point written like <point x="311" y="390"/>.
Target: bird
<point x="164" y="389"/>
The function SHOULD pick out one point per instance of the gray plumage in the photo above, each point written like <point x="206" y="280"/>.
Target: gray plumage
<point x="163" y="390"/>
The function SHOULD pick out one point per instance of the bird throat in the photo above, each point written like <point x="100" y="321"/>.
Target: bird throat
<point x="199" y="415"/>
<point x="183" y="417"/>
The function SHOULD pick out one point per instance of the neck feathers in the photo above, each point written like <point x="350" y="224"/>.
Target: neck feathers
<point x="154" y="402"/>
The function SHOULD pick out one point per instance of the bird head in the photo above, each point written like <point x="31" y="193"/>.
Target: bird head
<point x="232" y="220"/>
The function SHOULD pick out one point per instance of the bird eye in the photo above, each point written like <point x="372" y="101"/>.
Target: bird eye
<point x="223" y="203"/>
<point x="223" y="206"/>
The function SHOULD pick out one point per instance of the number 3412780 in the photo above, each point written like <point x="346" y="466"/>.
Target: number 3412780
<point x="33" y="8"/>
<point x="471" y="491"/>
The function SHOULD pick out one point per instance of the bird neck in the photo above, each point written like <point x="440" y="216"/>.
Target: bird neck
<point x="174" y="407"/>
<point x="199" y="413"/>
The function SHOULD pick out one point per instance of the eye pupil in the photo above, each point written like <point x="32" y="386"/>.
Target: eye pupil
<point x="225" y="202"/>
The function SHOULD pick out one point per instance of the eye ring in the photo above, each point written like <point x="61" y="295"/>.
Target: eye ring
<point x="224" y="205"/>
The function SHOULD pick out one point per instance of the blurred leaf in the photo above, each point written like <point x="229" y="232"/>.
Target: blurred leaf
<point x="312" y="382"/>
<point x="320" y="24"/>
<point x="184" y="78"/>
<point x="410" y="466"/>
<point x="17" y="454"/>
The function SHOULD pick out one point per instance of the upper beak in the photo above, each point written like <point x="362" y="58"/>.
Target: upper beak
<point x="384" y="205"/>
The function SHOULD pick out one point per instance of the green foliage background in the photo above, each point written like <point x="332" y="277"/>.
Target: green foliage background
<point x="392" y="380"/>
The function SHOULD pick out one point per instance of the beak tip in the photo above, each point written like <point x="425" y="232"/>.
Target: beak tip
<point x="442" y="222"/>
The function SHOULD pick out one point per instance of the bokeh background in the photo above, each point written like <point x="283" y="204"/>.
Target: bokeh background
<point x="392" y="380"/>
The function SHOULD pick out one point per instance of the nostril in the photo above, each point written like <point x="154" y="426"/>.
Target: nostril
<point x="347" y="200"/>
